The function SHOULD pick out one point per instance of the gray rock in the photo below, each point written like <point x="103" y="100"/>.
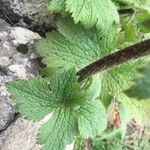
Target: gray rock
<point x="7" y="112"/>
<point x="7" y="13"/>
<point x="17" y="61"/>
<point x="7" y="107"/>
<point x="20" y="135"/>
<point x="31" y="14"/>
<point x="17" y="51"/>
<point x="23" y="36"/>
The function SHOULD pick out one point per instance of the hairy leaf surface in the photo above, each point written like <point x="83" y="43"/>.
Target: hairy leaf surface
<point x="92" y="119"/>
<point x="74" y="107"/>
<point x="75" y="46"/>
<point x="60" y="130"/>
<point x="33" y="97"/>
<point x="102" y="13"/>
<point x="57" y="5"/>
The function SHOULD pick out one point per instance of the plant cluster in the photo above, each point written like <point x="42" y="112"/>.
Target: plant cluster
<point x="74" y="88"/>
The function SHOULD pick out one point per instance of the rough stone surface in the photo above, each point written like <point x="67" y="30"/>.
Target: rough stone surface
<point x="14" y="42"/>
<point x="20" y="135"/>
<point x="23" y="36"/>
<point x="7" y="112"/>
<point x="17" y="60"/>
<point x="31" y="14"/>
<point x="19" y="20"/>
<point x="14" y="64"/>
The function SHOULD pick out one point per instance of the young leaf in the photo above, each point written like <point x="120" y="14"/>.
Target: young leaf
<point x="70" y="104"/>
<point x="141" y="88"/>
<point x="75" y="46"/>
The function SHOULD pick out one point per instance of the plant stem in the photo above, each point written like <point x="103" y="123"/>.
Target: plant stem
<point x="124" y="55"/>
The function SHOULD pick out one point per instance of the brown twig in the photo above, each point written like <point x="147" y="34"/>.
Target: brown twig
<point x="124" y="55"/>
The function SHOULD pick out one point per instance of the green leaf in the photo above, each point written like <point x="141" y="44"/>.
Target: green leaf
<point x="79" y="143"/>
<point x="92" y="119"/>
<point x="131" y="32"/>
<point x="121" y="131"/>
<point x="115" y="81"/>
<point x="73" y="107"/>
<point x="138" y="4"/>
<point x="56" y="5"/>
<point x="143" y="21"/>
<point x="102" y="13"/>
<point x="92" y="86"/>
<point x="66" y="88"/>
<point x="112" y="144"/>
<point x="60" y="130"/>
<point x="33" y="97"/>
<point x="89" y="13"/>
<point x="125" y="118"/>
<point x="141" y="88"/>
<point x="74" y="45"/>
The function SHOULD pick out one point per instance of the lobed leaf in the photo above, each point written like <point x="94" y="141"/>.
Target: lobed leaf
<point x="102" y="13"/>
<point x="73" y="107"/>
<point x="60" y="130"/>
<point x="92" y="119"/>
<point x="33" y="97"/>
<point x="74" y="45"/>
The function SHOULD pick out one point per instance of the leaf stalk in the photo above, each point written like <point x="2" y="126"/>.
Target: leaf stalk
<point x="124" y="55"/>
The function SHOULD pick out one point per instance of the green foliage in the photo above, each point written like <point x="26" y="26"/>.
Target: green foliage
<point x="89" y="13"/>
<point x="60" y="130"/>
<point x="79" y="143"/>
<point x="134" y="21"/>
<point x="137" y="4"/>
<point x="141" y="88"/>
<point x="88" y="30"/>
<point x="75" y="110"/>
<point x="74" y="45"/>
<point x="33" y="97"/>
<point x="113" y="144"/>
<point x="121" y="131"/>
<point x="118" y="79"/>
<point x="143" y="21"/>
<point x="128" y="136"/>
